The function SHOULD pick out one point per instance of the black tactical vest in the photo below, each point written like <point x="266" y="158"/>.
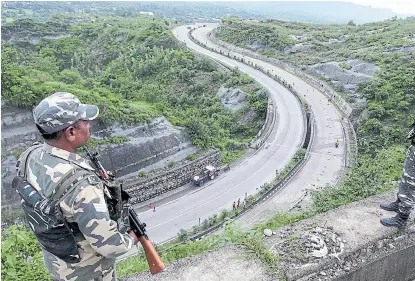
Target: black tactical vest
<point x="44" y="215"/>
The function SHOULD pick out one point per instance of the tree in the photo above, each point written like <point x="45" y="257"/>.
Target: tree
<point x="351" y="23"/>
<point x="183" y="235"/>
<point x="70" y="76"/>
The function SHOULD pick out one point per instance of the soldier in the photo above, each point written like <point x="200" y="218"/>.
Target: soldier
<point x="406" y="191"/>
<point x="55" y="171"/>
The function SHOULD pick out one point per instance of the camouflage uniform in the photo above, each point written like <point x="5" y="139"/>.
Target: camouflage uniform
<point x="406" y="191"/>
<point x="98" y="239"/>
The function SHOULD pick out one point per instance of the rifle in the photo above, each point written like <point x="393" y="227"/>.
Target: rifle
<point x="155" y="263"/>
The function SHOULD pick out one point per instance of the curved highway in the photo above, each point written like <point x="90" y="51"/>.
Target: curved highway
<point x="323" y="167"/>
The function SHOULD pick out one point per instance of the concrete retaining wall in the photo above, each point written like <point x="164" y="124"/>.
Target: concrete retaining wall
<point x="398" y="265"/>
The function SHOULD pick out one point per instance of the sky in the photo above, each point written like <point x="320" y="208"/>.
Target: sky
<point x="398" y="6"/>
<point x="406" y="7"/>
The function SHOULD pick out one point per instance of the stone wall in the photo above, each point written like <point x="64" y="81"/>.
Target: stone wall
<point x="147" y="144"/>
<point x="142" y="189"/>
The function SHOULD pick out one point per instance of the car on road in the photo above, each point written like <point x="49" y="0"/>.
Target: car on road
<point x="208" y="173"/>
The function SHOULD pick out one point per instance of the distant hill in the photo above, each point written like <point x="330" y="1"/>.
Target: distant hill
<point x="316" y="12"/>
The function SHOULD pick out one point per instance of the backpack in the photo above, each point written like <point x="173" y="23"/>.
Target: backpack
<point x="45" y="216"/>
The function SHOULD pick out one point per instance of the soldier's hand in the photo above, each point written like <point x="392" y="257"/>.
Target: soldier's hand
<point x="132" y="234"/>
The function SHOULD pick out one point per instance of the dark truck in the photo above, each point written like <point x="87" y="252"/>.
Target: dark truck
<point x="209" y="173"/>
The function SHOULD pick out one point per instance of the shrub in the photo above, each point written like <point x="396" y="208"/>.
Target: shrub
<point x="191" y="157"/>
<point x="345" y="66"/>
<point x="21" y="256"/>
<point x="223" y="214"/>
<point x="205" y="224"/>
<point x="183" y="235"/>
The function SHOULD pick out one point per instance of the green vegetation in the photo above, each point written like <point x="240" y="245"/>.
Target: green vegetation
<point x="21" y="257"/>
<point x="133" y="69"/>
<point x="369" y="177"/>
<point x="191" y="157"/>
<point x="331" y="42"/>
<point x="251" y="241"/>
<point x="92" y="143"/>
<point x="362" y="181"/>
<point x="299" y="156"/>
<point x="237" y="32"/>
<point x="184" y="12"/>
<point x="179" y="11"/>
<point x="345" y="66"/>
<point x="18" y="153"/>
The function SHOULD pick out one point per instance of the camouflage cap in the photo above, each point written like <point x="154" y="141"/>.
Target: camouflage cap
<point x="411" y="134"/>
<point x="60" y="110"/>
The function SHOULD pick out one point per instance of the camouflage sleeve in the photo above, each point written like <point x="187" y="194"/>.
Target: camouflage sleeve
<point x="90" y="212"/>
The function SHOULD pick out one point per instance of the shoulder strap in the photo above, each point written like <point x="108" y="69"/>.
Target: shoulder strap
<point x="24" y="158"/>
<point x="68" y="183"/>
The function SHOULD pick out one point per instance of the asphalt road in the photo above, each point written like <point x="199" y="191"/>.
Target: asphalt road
<point x="326" y="162"/>
<point x="324" y="166"/>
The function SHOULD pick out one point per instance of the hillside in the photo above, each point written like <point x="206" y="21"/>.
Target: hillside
<point x="133" y="69"/>
<point x="181" y="11"/>
<point x="372" y="66"/>
<point x="201" y="11"/>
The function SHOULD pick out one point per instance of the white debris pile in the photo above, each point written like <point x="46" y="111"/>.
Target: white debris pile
<point x="307" y="247"/>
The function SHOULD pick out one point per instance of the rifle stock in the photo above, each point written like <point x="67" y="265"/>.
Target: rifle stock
<point x="155" y="263"/>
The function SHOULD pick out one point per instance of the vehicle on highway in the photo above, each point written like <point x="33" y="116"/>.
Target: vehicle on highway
<point x="208" y="173"/>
